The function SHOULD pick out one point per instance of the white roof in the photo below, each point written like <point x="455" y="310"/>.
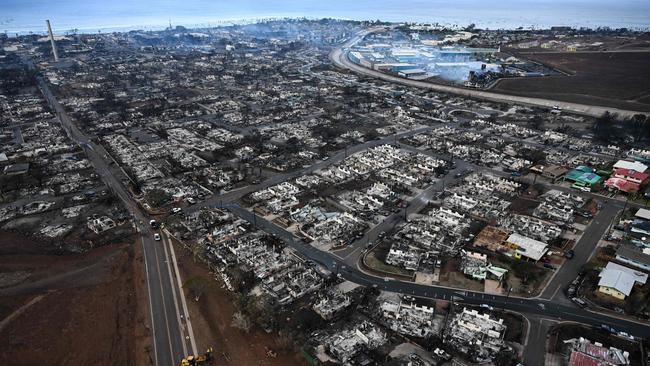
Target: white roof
<point x="643" y="213"/>
<point x="634" y="165"/>
<point x="621" y="278"/>
<point x="531" y="248"/>
<point x="413" y="71"/>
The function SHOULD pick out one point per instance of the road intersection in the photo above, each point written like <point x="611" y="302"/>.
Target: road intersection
<point x="172" y="331"/>
<point x="172" y="339"/>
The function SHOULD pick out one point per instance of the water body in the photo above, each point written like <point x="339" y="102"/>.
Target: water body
<point x="23" y="16"/>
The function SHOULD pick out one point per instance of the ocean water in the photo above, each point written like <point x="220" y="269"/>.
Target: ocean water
<point x="23" y="16"/>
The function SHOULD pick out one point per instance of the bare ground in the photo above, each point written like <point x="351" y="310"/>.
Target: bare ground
<point x="86" y="309"/>
<point x="602" y="78"/>
<point x="212" y="317"/>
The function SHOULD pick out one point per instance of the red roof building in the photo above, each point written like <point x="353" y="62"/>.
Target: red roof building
<point x="581" y="359"/>
<point x="585" y="353"/>
<point x="622" y="185"/>
<point x="630" y="175"/>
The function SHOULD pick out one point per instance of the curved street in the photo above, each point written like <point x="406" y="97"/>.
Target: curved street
<point x="339" y="56"/>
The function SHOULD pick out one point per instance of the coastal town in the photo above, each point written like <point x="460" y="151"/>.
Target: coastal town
<point x="343" y="217"/>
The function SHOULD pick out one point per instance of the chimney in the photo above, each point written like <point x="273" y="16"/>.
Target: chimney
<point x="54" y="51"/>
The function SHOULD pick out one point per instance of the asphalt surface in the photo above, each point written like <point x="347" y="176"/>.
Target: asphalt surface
<point x="168" y="331"/>
<point x="345" y="261"/>
<point x="351" y="254"/>
<point x="537" y="307"/>
<point x="339" y="57"/>
<point x="583" y="251"/>
<point x="277" y="179"/>
<point x="535" y="345"/>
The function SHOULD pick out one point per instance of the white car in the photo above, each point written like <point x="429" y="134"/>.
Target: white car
<point x="585" y="189"/>
<point x="486" y="306"/>
<point x="625" y="335"/>
<point x="176" y="209"/>
<point x="156" y="237"/>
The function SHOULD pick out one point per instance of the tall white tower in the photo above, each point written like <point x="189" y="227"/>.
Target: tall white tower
<point x="54" y="51"/>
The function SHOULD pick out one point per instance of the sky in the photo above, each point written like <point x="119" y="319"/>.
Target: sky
<point x="29" y="15"/>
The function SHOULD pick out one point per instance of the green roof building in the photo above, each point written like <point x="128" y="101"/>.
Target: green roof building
<point x="583" y="175"/>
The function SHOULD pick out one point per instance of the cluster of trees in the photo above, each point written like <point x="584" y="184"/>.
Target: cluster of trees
<point x="610" y="128"/>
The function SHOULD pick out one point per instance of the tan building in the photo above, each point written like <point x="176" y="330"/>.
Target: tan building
<point x="618" y="281"/>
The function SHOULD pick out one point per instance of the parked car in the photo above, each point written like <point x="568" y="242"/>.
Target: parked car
<point x="625" y="335"/>
<point x="606" y="328"/>
<point x="569" y="254"/>
<point x="571" y="290"/>
<point x="486" y="306"/>
<point x="579" y="302"/>
<point x="176" y="210"/>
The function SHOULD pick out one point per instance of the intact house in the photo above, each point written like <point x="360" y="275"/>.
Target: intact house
<point x="526" y="248"/>
<point x="628" y="176"/>
<point x="583" y="176"/>
<point x="633" y="257"/>
<point x="618" y="281"/>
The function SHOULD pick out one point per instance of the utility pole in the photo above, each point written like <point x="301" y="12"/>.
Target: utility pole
<point x="505" y="302"/>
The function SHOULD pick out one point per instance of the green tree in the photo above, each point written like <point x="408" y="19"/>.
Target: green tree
<point x="605" y="129"/>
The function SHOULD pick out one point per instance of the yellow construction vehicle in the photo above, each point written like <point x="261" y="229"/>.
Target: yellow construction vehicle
<point x="204" y="359"/>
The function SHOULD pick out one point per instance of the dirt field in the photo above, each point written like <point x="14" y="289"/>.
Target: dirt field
<point x="603" y="78"/>
<point x="212" y="317"/>
<point x="73" y="309"/>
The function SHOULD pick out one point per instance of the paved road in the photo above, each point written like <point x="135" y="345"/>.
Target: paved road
<point x="538" y="307"/>
<point x="583" y="248"/>
<point x="345" y="262"/>
<point x="351" y="254"/>
<point x="339" y="57"/>
<point x="583" y="251"/>
<point x="169" y="335"/>
<point x="277" y="179"/>
<point x="535" y="345"/>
